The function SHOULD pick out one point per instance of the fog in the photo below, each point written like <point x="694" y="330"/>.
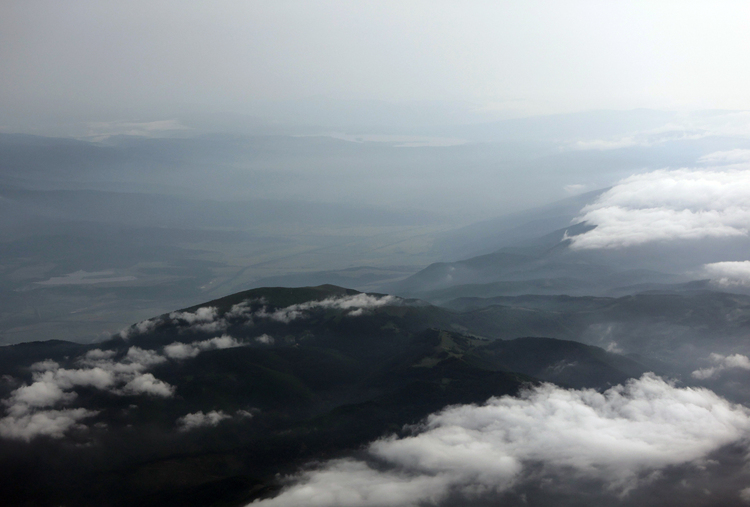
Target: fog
<point x="85" y="58"/>
<point x="154" y="156"/>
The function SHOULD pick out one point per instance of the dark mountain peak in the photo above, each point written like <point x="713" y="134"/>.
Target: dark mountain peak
<point x="278" y="297"/>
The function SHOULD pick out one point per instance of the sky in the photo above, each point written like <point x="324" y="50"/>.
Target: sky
<point x="118" y="60"/>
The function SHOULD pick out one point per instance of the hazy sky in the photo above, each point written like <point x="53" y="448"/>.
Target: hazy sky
<point x="130" y="58"/>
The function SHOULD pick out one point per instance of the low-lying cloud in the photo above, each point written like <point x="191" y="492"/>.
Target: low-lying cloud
<point x="729" y="274"/>
<point x="353" y="305"/>
<point x="30" y="410"/>
<point x="667" y="205"/>
<point x="619" y="438"/>
<point x="143" y="327"/>
<point x="209" y="320"/>
<point x="210" y="419"/>
<point x="201" y="420"/>
<point x="50" y="423"/>
<point x="178" y="350"/>
<point x="721" y="363"/>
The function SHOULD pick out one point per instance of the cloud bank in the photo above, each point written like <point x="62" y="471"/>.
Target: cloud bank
<point x="668" y="205"/>
<point x="729" y="274"/>
<point x="619" y="438"/>
<point x="50" y="423"/>
<point x="29" y="407"/>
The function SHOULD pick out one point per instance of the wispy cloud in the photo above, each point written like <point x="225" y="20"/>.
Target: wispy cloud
<point x="30" y="407"/>
<point x="575" y="188"/>
<point x="51" y="423"/>
<point x="729" y="157"/>
<point x="210" y="419"/>
<point x="179" y="350"/>
<point x="691" y="127"/>
<point x="100" y="131"/>
<point x="354" y="306"/>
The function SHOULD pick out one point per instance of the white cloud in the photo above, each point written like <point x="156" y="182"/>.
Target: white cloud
<point x="722" y="363"/>
<point x="350" y="483"/>
<point x="51" y="386"/>
<point x="617" y="437"/>
<point x="27" y="415"/>
<point x="355" y="305"/>
<point x="244" y="309"/>
<point x="203" y="320"/>
<point x="51" y="423"/>
<point x="142" y="327"/>
<point x="201" y="315"/>
<point x="207" y="319"/>
<point x="726" y="157"/>
<point x="38" y="394"/>
<point x="47" y="364"/>
<point x="146" y="383"/>
<point x="136" y="360"/>
<point x="265" y="339"/>
<point x="179" y="350"/>
<point x="201" y="420"/>
<point x="67" y="379"/>
<point x="687" y="128"/>
<point x="667" y="205"/>
<point x="729" y="274"/>
<point x="220" y="342"/>
<point x="210" y="327"/>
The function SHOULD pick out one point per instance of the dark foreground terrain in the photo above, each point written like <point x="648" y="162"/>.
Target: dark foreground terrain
<point x="208" y="405"/>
